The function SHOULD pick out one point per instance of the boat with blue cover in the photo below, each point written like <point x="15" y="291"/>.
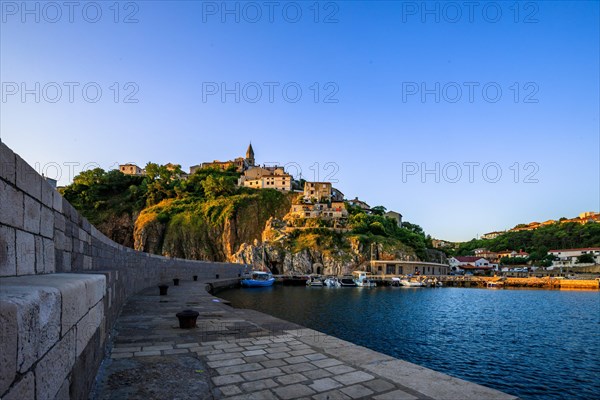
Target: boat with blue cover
<point x="258" y="279"/>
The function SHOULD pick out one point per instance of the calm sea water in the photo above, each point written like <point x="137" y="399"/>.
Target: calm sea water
<point x="536" y="344"/>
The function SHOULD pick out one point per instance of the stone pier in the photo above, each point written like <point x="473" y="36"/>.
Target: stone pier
<point x="244" y="354"/>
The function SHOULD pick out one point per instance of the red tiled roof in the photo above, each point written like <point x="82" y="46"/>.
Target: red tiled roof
<point x="467" y="258"/>
<point x="469" y="266"/>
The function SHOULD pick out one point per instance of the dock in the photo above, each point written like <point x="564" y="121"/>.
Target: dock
<point x="244" y="354"/>
<point x="483" y="281"/>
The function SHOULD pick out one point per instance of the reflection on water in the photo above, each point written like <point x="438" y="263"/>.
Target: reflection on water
<point x="536" y="344"/>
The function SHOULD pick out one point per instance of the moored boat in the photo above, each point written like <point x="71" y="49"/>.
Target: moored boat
<point x="314" y="281"/>
<point x="332" y="282"/>
<point x="258" y="279"/>
<point x="361" y="278"/>
<point x="347" y="281"/>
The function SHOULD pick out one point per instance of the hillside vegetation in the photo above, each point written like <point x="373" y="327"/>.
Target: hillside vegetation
<point x="539" y="241"/>
<point x="208" y="217"/>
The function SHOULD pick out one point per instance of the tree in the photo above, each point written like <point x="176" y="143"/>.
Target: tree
<point x="218" y="186"/>
<point x="378" y="210"/>
<point x="586" y="259"/>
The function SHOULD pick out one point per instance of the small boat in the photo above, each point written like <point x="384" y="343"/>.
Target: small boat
<point x="407" y="283"/>
<point x="258" y="279"/>
<point x="314" y="281"/>
<point x="495" y="285"/>
<point x="332" y="282"/>
<point x="362" y="279"/>
<point x="347" y="281"/>
<point x="396" y="282"/>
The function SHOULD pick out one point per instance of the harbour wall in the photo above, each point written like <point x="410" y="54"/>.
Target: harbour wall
<point x="62" y="286"/>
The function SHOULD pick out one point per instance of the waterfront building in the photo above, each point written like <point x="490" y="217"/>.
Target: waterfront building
<point x="569" y="257"/>
<point x="401" y="267"/>
<point x="459" y="263"/>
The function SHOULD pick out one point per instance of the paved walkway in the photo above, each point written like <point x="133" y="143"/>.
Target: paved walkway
<point x="244" y="354"/>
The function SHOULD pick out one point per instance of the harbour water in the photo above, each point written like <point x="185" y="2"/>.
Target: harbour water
<point x="535" y="344"/>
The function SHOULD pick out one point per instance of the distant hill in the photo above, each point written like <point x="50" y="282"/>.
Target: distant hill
<point x="537" y="242"/>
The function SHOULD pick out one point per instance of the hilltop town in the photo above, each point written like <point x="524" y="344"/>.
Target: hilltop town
<point x="314" y="200"/>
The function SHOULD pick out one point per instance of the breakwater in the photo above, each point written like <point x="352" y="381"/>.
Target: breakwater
<point x="62" y="286"/>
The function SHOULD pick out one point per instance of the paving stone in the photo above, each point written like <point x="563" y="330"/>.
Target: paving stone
<point x="296" y="360"/>
<point x="262" y="374"/>
<point x="326" y="362"/>
<point x="379" y="385"/>
<point x="317" y="374"/>
<point x="206" y="352"/>
<point x="155" y="348"/>
<point x="186" y="345"/>
<point x="395" y="395"/>
<point x="301" y="352"/>
<point x="273" y="363"/>
<point x="230" y="390"/>
<point x="226" y="363"/>
<point x="275" y="350"/>
<point x="316" y="356"/>
<point x="254" y="353"/>
<point x="227" y="379"/>
<point x="323" y="385"/>
<point x="254" y="347"/>
<point x="288" y="379"/>
<point x="223" y="356"/>
<point x="357" y="391"/>
<point x="340" y="369"/>
<point x="276" y="356"/>
<point x="353" y="377"/>
<point x="237" y="369"/>
<point x="262" y="395"/>
<point x="255" y="359"/>
<point x="332" y="395"/>
<point x="147" y="353"/>
<point x="234" y="349"/>
<point x="302" y="367"/>
<point x="294" y="391"/>
<point x="258" y="385"/>
<point x="175" y="352"/>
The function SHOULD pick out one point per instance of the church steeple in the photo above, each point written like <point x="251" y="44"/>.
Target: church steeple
<point x="250" y="155"/>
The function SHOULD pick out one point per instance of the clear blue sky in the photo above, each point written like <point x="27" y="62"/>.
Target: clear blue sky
<point x="372" y="57"/>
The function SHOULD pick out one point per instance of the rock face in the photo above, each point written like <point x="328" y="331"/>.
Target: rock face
<point x="198" y="235"/>
<point x="120" y="228"/>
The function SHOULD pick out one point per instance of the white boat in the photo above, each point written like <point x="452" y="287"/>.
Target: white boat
<point x="332" y="282"/>
<point x="362" y="279"/>
<point x="407" y="283"/>
<point x="315" y="281"/>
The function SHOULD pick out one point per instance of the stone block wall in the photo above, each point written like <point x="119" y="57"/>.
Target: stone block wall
<point x="62" y="285"/>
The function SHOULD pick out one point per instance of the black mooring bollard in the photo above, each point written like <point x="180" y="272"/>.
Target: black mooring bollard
<point x="187" y="319"/>
<point x="163" y="289"/>
<point x="176" y="281"/>
<point x="195" y="278"/>
<point x="217" y="276"/>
